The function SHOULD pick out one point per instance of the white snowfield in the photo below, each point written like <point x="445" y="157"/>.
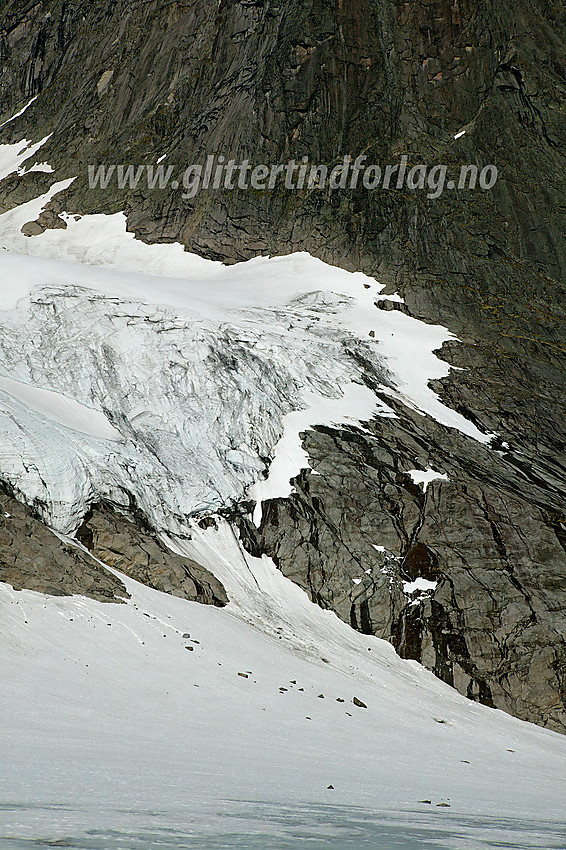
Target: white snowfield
<point x="127" y="368"/>
<point x="426" y="477"/>
<point x="13" y="156"/>
<point x="114" y="734"/>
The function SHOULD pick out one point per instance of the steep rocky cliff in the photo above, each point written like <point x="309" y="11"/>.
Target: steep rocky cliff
<point x="131" y="81"/>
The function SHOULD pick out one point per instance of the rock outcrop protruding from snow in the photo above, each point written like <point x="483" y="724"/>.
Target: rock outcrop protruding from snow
<point x="132" y="549"/>
<point x="467" y="575"/>
<point x="34" y="558"/>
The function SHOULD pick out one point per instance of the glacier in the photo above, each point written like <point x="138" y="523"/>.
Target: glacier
<point x="198" y="373"/>
<point x="117" y="736"/>
<point x="142" y="373"/>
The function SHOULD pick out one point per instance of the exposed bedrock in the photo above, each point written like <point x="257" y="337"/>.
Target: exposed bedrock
<point x="33" y="557"/>
<point x="490" y="616"/>
<point x="131" y="547"/>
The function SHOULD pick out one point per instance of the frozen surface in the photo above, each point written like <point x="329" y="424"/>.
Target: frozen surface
<point x="199" y="401"/>
<point x="64" y="411"/>
<point x="418" y="584"/>
<point x="13" y="156"/>
<point x="425" y="477"/>
<point x="208" y="373"/>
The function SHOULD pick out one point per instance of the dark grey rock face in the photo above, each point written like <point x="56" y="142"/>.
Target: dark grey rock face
<point x="33" y="558"/>
<point x="356" y="533"/>
<point x="135" y="551"/>
<point x="130" y="81"/>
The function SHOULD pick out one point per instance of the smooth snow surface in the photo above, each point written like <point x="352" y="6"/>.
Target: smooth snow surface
<point x="13" y="156"/>
<point x="39" y="166"/>
<point x="418" y="584"/>
<point x="117" y="736"/>
<point x="62" y="410"/>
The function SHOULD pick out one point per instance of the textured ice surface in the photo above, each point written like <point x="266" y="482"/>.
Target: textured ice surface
<point x="199" y="403"/>
<point x="207" y="372"/>
<point x="134" y="369"/>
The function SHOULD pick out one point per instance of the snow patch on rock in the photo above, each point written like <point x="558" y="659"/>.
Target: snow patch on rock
<point x="426" y="477"/>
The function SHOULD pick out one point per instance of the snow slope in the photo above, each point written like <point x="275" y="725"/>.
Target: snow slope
<point x="115" y="735"/>
<point x="57" y="408"/>
<point x="13" y="156"/>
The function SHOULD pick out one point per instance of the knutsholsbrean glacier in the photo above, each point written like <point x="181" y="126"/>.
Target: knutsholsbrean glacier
<point x="134" y="370"/>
